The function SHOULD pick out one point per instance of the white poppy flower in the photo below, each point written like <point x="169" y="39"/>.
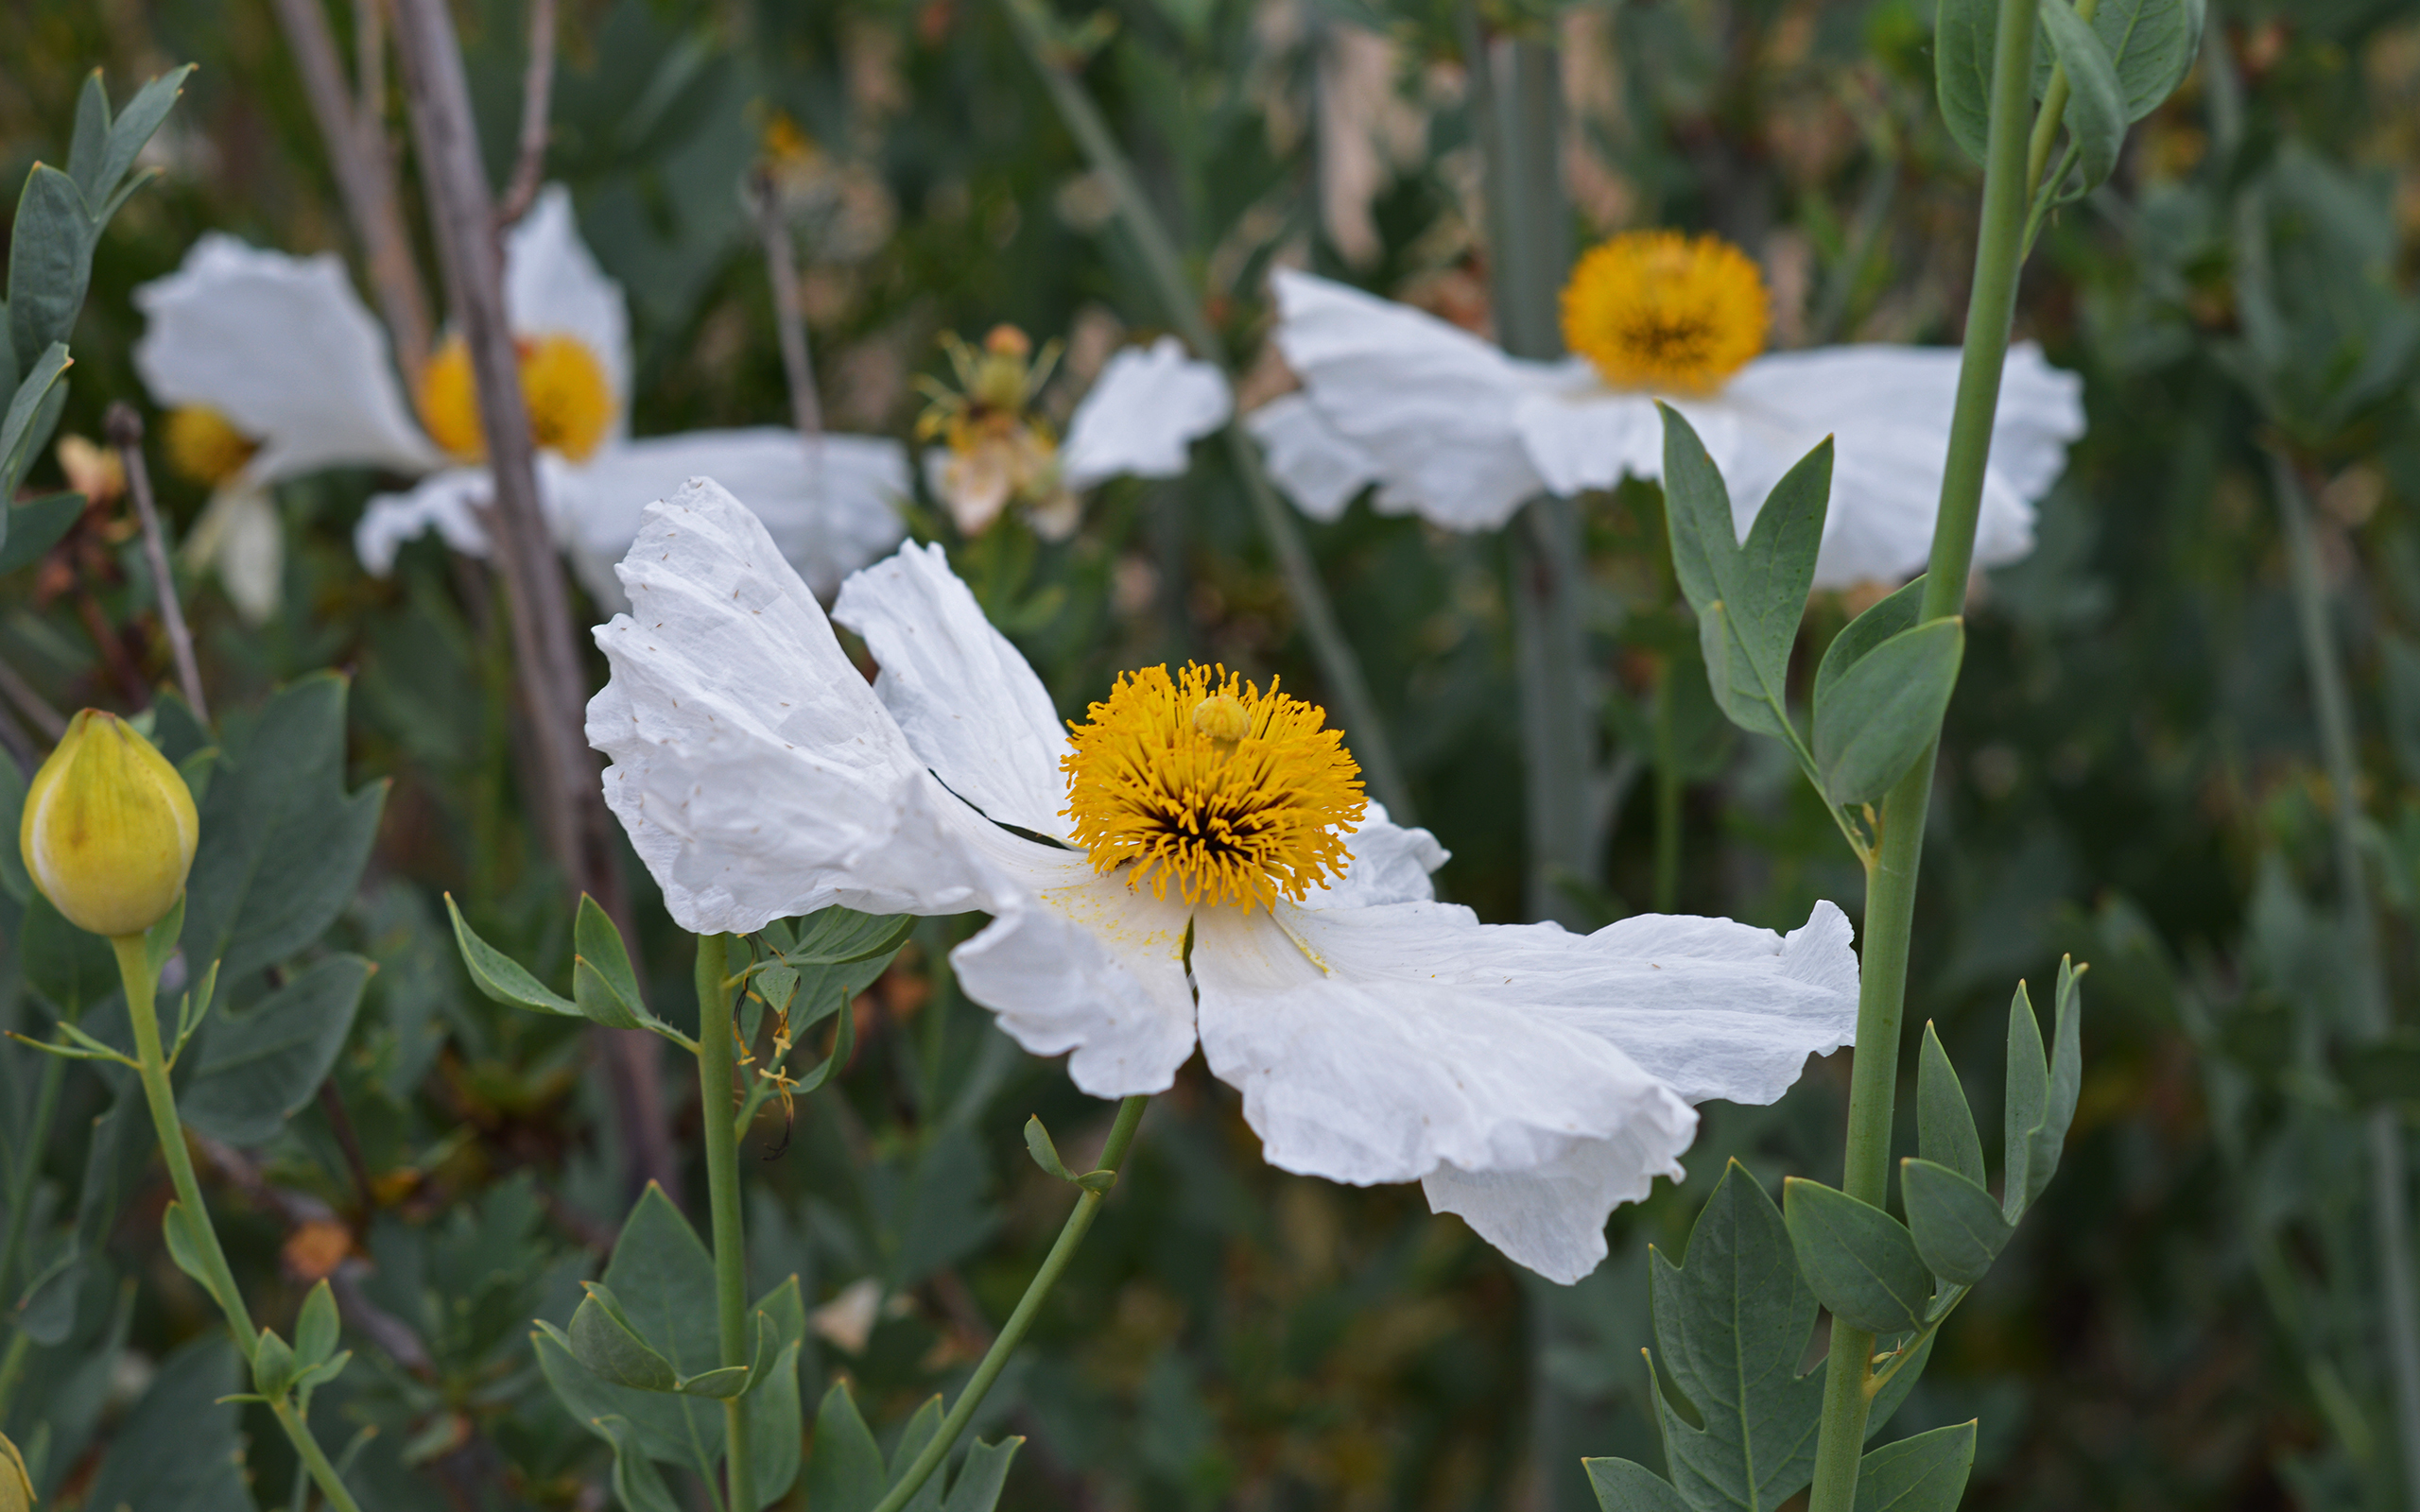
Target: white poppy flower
<point x="284" y="353"/>
<point x="1139" y="419"/>
<point x="1194" y="863"/>
<point x="1452" y="428"/>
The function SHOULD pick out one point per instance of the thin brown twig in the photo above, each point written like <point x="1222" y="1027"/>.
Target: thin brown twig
<point x="124" y="428"/>
<point x="47" y="722"/>
<point x="569" y="796"/>
<point x="369" y="66"/>
<point x="364" y="169"/>
<point x="537" y="88"/>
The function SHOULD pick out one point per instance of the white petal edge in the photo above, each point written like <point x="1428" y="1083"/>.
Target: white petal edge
<point x="970" y="705"/>
<point x="1551" y="1218"/>
<point x="552" y="284"/>
<point x="1310" y="461"/>
<point x="286" y="350"/>
<point x="1142" y="416"/>
<point x="1431" y="405"/>
<point x="831" y="505"/>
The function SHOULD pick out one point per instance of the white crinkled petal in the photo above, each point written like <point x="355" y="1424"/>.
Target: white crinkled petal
<point x="447" y="503"/>
<point x="1390" y="865"/>
<point x="831" y="506"/>
<point x="1551" y="1218"/>
<point x="757" y="773"/>
<point x="1582" y="434"/>
<point x="1715" y="1008"/>
<point x="1540" y="1076"/>
<point x="971" y="706"/>
<point x="240" y="538"/>
<point x="283" y="347"/>
<point x="1373" y="1045"/>
<point x="1430" y="405"/>
<point x="1887" y="409"/>
<point x="1309" y="460"/>
<point x="552" y="284"/>
<point x="1142" y="416"/>
<point x="1093" y="968"/>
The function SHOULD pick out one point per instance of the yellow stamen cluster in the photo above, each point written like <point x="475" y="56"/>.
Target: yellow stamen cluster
<point x="205" y="446"/>
<point x="1657" y="310"/>
<point x="571" y="401"/>
<point x="1000" y="452"/>
<point x="1203" y="780"/>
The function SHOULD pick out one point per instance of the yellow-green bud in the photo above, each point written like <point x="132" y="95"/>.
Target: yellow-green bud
<point x="16" y="1486"/>
<point x="109" y="828"/>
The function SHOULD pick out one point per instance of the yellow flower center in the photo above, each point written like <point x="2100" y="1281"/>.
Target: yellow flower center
<point x="205" y="446"/>
<point x="1655" y="309"/>
<point x="564" y="383"/>
<point x="1233" y="795"/>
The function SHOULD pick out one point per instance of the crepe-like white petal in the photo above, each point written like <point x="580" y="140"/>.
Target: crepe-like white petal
<point x="283" y="347"/>
<point x="1582" y="434"/>
<point x="1390" y="865"/>
<point x="972" y="709"/>
<point x="1551" y="1218"/>
<point x="1373" y="1044"/>
<point x="1887" y="409"/>
<point x="832" y="504"/>
<point x="1430" y="405"/>
<point x="1093" y="968"/>
<point x="1539" y="1077"/>
<point x="1142" y="416"/>
<point x="759" y="778"/>
<point x="1309" y="458"/>
<point x="552" y="284"/>
<point x="448" y="503"/>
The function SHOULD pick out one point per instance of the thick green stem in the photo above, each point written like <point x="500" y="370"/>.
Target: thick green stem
<point x="2389" y="1184"/>
<point x="1113" y="1154"/>
<point x="151" y="1065"/>
<point x="1339" y="664"/>
<point x="715" y="1058"/>
<point x="1890" y="872"/>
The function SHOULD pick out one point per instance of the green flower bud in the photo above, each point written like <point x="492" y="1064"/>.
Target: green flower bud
<point x="16" y="1486"/>
<point x="109" y="828"/>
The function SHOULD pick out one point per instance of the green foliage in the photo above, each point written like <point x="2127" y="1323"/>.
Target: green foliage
<point x="641" y="1364"/>
<point x="845" y="1473"/>
<point x="1749" y="595"/>
<point x="260" y="1067"/>
<point x="1885" y="709"/>
<point x="2096" y="116"/>
<point x="1858" y="1260"/>
<point x="1924" y="1473"/>
<point x="283" y="843"/>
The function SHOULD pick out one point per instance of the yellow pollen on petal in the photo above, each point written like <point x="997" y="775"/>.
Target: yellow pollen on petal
<point x="1204" y="782"/>
<point x="1655" y="309"/>
<point x="562" y="382"/>
<point x="205" y="446"/>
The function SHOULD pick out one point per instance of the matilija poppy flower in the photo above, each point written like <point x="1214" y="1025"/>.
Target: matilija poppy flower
<point x="1139" y="419"/>
<point x="1194" y="862"/>
<point x="278" y="370"/>
<point x="1455" y="430"/>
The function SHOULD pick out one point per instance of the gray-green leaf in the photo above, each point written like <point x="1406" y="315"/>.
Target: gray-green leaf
<point x="2096" y="115"/>
<point x="1884" y="710"/>
<point x="1944" y="1125"/>
<point x="1957" y="1227"/>
<point x="1927" y="1473"/>
<point x="260" y="1067"/>
<point x="1857" y="1257"/>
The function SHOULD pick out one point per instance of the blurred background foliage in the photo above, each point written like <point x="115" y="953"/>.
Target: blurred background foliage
<point x="2129" y="773"/>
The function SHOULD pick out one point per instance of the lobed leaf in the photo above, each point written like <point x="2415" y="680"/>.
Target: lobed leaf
<point x="1963" y="40"/>
<point x="2022" y="1107"/>
<point x="259" y="1068"/>
<point x="844" y="1470"/>
<point x="834" y="937"/>
<point x="1857" y="639"/>
<point x="606" y="1343"/>
<point x="1623" y="1486"/>
<point x="50" y="259"/>
<point x="316" y="1329"/>
<point x="500" y="977"/>
<point x="35" y="526"/>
